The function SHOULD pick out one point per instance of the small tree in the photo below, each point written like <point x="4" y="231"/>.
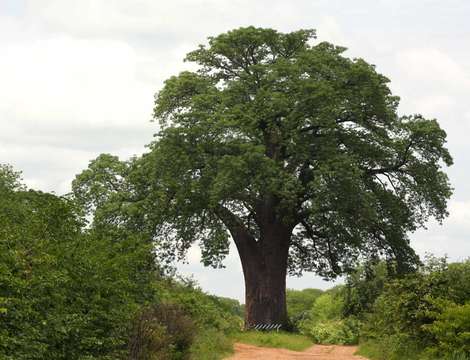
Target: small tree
<point x="294" y="151"/>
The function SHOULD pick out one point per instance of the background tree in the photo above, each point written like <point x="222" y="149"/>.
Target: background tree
<point x="294" y="151"/>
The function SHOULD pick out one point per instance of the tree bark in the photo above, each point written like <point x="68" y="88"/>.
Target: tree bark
<point x="264" y="265"/>
<point x="265" y="295"/>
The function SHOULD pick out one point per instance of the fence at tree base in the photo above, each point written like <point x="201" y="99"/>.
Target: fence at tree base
<point x="265" y="327"/>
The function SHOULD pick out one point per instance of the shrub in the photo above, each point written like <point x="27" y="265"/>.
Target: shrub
<point x="325" y="324"/>
<point x="161" y="332"/>
<point x="423" y="315"/>
<point x="363" y="287"/>
<point x="451" y="329"/>
<point x="206" y="311"/>
<point x="299" y="303"/>
<point x="210" y="344"/>
<point x="343" y="332"/>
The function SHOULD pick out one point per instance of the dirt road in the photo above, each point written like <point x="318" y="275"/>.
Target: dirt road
<point x="317" y="352"/>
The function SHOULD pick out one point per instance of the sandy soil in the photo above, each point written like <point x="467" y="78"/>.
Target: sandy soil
<point x="317" y="352"/>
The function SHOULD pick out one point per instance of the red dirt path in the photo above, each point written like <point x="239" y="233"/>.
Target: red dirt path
<point x="317" y="352"/>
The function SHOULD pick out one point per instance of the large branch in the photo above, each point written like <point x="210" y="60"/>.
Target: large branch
<point x="234" y="224"/>
<point x="397" y="167"/>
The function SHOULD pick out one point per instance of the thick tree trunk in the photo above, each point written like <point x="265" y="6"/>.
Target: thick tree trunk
<point x="264" y="265"/>
<point x="265" y="295"/>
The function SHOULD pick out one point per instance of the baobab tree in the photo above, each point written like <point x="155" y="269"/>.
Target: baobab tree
<point x="297" y="154"/>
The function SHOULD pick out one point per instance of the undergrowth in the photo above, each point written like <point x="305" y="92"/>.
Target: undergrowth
<point x="274" y="339"/>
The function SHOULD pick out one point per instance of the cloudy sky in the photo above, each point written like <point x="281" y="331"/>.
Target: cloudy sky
<point x="77" y="78"/>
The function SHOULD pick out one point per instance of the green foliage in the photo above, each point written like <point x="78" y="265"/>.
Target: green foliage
<point x="422" y="315"/>
<point x="275" y="125"/>
<point x="327" y="307"/>
<point x="73" y="292"/>
<point x="10" y="180"/>
<point x="64" y="293"/>
<point x="274" y="339"/>
<point x="206" y="311"/>
<point x="451" y="329"/>
<point x="299" y="302"/>
<point x="393" y="347"/>
<point x="210" y="344"/>
<point x="161" y="332"/>
<point x="363" y="286"/>
<point x="325" y="323"/>
<point x="342" y="332"/>
<point x="231" y="306"/>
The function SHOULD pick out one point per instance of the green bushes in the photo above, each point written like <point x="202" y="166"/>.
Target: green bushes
<point x="215" y="318"/>
<point x="188" y="324"/>
<point x="299" y="303"/>
<point x="451" y="328"/>
<point x="423" y="315"/>
<point x="342" y="332"/>
<point x="325" y="323"/>
<point x="64" y="293"/>
<point x="161" y="332"/>
<point x="73" y="292"/>
<point x="211" y="344"/>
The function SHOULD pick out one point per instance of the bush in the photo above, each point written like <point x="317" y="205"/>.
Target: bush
<point x="325" y="323"/>
<point x="207" y="312"/>
<point x="210" y="344"/>
<point x="70" y="291"/>
<point x="161" y="332"/>
<point x="299" y="303"/>
<point x="363" y="287"/>
<point x="423" y="315"/>
<point x="343" y="332"/>
<point x="451" y="329"/>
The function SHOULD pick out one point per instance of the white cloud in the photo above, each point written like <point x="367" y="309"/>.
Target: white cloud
<point x="452" y="238"/>
<point x="330" y="30"/>
<point x="67" y="79"/>
<point x="460" y="213"/>
<point x="434" y="105"/>
<point x="433" y="66"/>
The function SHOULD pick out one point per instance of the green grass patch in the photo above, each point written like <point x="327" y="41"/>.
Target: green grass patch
<point x="389" y="351"/>
<point x="371" y="351"/>
<point x="211" y="345"/>
<point x="274" y="339"/>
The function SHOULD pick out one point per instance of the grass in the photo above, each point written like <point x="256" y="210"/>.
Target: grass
<point x="371" y="350"/>
<point x="274" y="339"/>
<point x="211" y="345"/>
<point x="384" y="351"/>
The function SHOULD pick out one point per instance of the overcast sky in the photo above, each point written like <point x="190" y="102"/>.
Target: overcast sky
<point x="77" y="78"/>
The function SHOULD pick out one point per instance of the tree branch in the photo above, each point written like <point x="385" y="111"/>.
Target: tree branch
<point x="234" y="224"/>
<point x="398" y="167"/>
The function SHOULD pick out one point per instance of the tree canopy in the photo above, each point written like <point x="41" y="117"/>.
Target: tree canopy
<point x="288" y="147"/>
<point x="276" y="120"/>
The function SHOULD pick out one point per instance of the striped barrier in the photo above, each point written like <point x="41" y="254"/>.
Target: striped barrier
<point x="266" y="327"/>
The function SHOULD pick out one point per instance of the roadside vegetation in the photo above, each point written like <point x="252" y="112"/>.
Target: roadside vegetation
<point x="423" y="314"/>
<point x="273" y="339"/>
<point x="69" y="290"/>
